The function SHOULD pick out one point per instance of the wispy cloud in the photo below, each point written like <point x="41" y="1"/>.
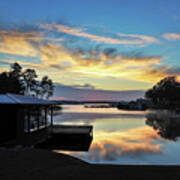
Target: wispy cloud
<point x="24" y="43"/>
<point x="130" y="38"/>
<point x="19" y="43"/>
<point x="84" y="86"/>
<point x="171" y="36"/>
<point x="90" y="92"/>
<point x="140" y="38"/>
<point x="94" y="63"/>
<point x="101" y="62"/>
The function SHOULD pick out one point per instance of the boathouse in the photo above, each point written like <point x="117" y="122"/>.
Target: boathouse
<point x="24" y="120"/>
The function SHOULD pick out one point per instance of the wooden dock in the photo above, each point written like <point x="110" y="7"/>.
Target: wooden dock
<point x="68" y="137"/>
<point x="71" y="129"/>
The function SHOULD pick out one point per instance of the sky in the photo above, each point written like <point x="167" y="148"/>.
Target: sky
<point x="103" y="46"/>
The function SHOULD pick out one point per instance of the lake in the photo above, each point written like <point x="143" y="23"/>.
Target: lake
<point x="125" y="137"/>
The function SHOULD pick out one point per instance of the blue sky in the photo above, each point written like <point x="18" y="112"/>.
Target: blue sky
<point x="110" y="45"/>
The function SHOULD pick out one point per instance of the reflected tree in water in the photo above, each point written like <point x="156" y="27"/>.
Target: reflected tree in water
<point x="166" y="123"/>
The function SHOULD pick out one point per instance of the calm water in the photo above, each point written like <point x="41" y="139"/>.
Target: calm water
<point x="123" y="137"/>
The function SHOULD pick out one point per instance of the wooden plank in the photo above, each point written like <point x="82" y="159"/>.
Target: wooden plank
<point x="66" y="129"/>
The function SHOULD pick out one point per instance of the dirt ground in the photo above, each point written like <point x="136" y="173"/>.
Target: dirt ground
<point x="36" y="164"/>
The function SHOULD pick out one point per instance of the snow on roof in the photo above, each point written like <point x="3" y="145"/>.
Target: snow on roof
<point x="20" y="99"/>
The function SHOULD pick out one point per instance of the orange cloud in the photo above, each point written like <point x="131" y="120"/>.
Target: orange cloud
<point x="23" y="43"/>
<point x="18" y="43"/>
<point x="56" y="59"/>
<point x="102" y="65"/>
<point x="3" y="70"/>
<point x="171" y="36"/>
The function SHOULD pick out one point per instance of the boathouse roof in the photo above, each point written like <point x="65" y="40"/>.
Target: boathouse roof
<point x="21" y="99"/>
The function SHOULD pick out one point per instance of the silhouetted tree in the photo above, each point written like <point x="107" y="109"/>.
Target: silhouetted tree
<point x="10" y="84"/>
<point x="15" y="70"/>
<point x="47" y="87"/>
<point x="25" y="82"/>
<point x="29" y="78"/>
<point x="165" y="94"/>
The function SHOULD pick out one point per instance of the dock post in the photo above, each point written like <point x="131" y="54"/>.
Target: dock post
<point x="38" y="117"/>
<point x="51" y="115"/>
<point x="45" y="108"/>
<point x="28" y="118"/>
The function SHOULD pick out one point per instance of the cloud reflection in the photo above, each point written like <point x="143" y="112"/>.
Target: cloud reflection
<point x="132" y="143"/>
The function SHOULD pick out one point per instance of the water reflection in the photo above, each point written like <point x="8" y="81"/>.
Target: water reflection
<point x="166" y="123"/>
<point x="128" y="147"/>
<point x="99" y="117"/>
<point x="125" y="137"/>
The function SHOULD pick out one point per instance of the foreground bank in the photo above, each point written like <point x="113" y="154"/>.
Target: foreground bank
<point x="42" y="164"/>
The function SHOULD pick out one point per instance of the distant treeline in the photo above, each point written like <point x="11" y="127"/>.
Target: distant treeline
<point x="66" y="102"/>
<point x="139" y="104"/>
<point x="164" y="95"/>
